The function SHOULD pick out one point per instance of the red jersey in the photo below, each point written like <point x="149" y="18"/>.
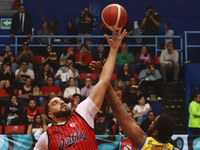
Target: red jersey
<point x="74" y="134"/>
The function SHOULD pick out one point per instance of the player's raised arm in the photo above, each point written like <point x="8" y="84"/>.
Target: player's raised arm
<point x="128" y="124"/>
<point x="98" y="92"/>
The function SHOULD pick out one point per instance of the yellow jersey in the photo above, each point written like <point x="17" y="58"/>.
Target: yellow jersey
<point x="153" y="144"/>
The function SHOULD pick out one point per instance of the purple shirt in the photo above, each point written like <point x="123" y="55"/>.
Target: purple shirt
<point x="86" y="91"/>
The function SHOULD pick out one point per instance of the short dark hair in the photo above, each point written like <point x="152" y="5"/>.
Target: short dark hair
<point x="72" y="78"/>
<point x="89" y="77"/>
<point x="170" y="43"/>
<point x="165" y="126"/>
<point x="150" y="112"/>
<point x="196" y="94"/>
<point x="21" y="5"/>
<point x="149" y="7"/>
<point x="7" y="45"/>
<point x="46" y="108"/>
<point x="84" y="45"/>
<point x="85" y="7"/>
<point x="76" y="94"/>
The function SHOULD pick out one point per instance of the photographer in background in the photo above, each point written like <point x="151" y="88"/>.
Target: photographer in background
<point x="150" y="77"/>
<point x="86" y="22"/>
<point x="150" y="24"/>
<point x="26" y="55"/>
<point x="64" y="73"/>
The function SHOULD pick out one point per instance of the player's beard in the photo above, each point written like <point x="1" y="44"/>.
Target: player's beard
<point x="62" y="114"/>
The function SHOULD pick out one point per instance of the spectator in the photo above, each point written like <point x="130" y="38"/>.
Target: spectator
<point x="86" y="22"/>
<point x="83" y="58"/>
<point x="48" y="58"/>
<point x="49" y="89"/>
<point x="131" y="92"/>
<point x="30" y="111"/>
<point x="150" y="24"/>
<point x="65" y="73"/>
<point x="141" y="58"/>
<point x="168" y="32"/>
<point x="26" y="55"/>
<point x="6" y="78"/>
<point x="102" y="125"/>
<point x="37" y="127"/>
<point x="13" y="113"/>
<point x="148" y="121"/>
<point x="138" y="31"/>
<point x="194" y="118"/>
<point x="25" y="92"/>
<point x="20" y="74"/>
<point x="123" y="57"/>
<point x="169" y="60"/>
<point x="85" y="91"/>
<point x="71" y="30"/>
<point x="140" y="111"/>
<point x="44" y="30"/>
<point x="71" y="90"/>
<point x="150" y="77"/>
<point x="75" y="101"/>
<point x="44" y="73"/>
<point x="129" y="28"/>
<point x="101" y="55"/>
<point x="21" y="24"/>
<point x="104" y="31"/>
<point x="7" y="57"/>
<point x="68" y="55"/>
<point x="118" y="88"/>
<point x="53" y="30"/>
<point x="125" y="74"/>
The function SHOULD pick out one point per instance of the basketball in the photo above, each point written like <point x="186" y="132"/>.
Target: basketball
<point x="114" y="17"/>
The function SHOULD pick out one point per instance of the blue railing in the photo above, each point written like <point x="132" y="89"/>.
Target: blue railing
<point x="186" y="33"/>
<point x="180" y="50"/>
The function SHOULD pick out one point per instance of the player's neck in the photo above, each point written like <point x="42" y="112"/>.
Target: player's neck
<point x="61" y="120"/>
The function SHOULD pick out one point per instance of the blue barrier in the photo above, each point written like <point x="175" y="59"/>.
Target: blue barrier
<point x="180" y="50"/>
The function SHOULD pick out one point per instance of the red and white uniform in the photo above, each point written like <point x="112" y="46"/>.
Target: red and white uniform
<point x="75" y="133"/>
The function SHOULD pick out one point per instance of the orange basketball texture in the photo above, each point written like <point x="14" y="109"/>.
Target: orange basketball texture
<point x="114" y="17"/>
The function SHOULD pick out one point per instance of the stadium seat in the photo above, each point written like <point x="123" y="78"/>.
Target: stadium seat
<point x="3" y="110"/>
<point x="41" y="109"/>
<point x="157" y="60"/>
<point x="15" y="92"/>
<point x="15" y="129"/>
<point x="3" y="93"/>
<point x="38" y="59"/>
<point x="84" y="75"/>
<point x="1" y="129"/>
<point x="114" y="76"/>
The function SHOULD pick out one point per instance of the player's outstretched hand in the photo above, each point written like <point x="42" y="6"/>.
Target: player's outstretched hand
<point x="96" y="67"/>
<point x="117" y="38"/>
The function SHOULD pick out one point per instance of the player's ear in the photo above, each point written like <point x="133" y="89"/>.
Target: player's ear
<point x="155" y="133"/>
<point x="50" y="114"/>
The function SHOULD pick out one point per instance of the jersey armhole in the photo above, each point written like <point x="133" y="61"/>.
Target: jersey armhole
<point x="143" y="143"/>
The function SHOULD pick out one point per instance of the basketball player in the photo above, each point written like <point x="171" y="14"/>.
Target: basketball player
<point x="76" y="130"/>
<point x="159" y="132"/>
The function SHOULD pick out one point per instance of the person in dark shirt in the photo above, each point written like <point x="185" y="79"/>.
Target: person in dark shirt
<point x="86" y="22"/>
<point x="6" y="78"/>
<point x="147" y="122"/>
<point x="101" y="55"/>
<point x="102" y="126"/>
<point x="71" y="29"/>
<point x="52" y="61"/>
<point x="13" y="113"/>
<point x="7" y="57"/>
<point x="150" y="23"/>
<point x="25" y="92"/>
